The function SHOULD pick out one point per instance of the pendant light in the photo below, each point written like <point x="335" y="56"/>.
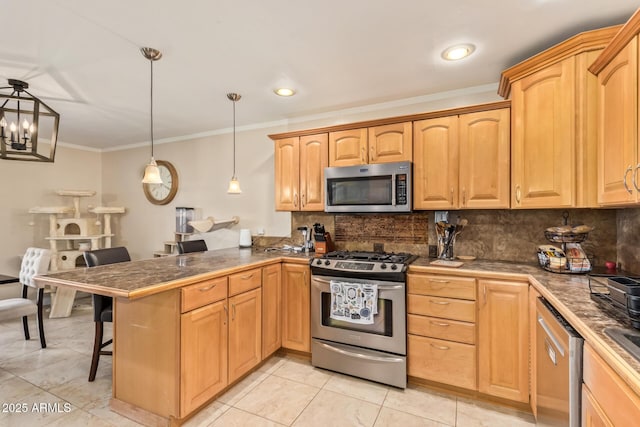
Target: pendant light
<point x="234" y="184"/>
<point x="151" y="172"/>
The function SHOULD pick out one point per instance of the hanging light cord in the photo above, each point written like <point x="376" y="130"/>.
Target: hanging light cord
<point x="234" y="139"/>
<point x="151" y="61"/>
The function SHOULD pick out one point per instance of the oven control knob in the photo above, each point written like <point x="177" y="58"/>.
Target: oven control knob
<point x="394" y="267"/>
<point x="327" y="262"/>
<point x="319" y="262"/>
<point x="383" y="266"/>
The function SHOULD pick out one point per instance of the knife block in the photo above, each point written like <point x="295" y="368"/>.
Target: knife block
<point x="323" y="247"/>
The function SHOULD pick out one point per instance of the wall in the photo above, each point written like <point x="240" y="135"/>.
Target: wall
<point x="628" y="224"/>
<point x="29" y="184"/>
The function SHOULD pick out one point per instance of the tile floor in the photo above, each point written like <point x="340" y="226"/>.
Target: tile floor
<point x="49" y="387"/>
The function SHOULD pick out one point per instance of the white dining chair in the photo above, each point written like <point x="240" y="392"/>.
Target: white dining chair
<point x="35" y="261"/>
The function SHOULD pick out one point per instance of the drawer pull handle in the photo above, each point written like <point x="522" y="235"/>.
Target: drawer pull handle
<point x="439" y="323"/>
<point x="207" y="288"/>
<point x="226" y="312"/>
<point x="439" y="302"/>
<point x="439" y="281"/>
<point x="247" y="277"/>
<point x="439" y="347"/>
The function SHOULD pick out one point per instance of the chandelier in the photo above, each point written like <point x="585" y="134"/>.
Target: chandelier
<point x="24" y="120"/>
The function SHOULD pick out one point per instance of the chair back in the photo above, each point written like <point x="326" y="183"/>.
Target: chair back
<point x="102" y="304"/>
<point x="106" y="256"/>
<point x="192" y="246"/>
<point x="35" y="261"/>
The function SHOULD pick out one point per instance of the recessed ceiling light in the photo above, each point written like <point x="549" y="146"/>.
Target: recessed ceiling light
<point x="459" y="51"/>
<point x="284" y="91"/>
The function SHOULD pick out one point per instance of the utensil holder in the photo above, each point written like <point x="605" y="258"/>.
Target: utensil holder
<point x="445" y="249"/>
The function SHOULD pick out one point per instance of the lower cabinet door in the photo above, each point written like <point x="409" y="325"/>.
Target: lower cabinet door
<point x="442" y="361"/>
<point x="592" y="414"/>
<point x="271" y="309"/>
<point x="245" y="333"/>
<point x="503" y="339"/>
<point x="203" y="361"/>
<point x="296" y="305"/>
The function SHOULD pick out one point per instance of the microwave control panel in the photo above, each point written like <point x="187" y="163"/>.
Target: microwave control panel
<point x="401" y="189"/>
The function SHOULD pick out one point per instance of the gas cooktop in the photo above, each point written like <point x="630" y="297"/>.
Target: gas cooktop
<point x="384" y="257"/>
<point x="357" y="264"/>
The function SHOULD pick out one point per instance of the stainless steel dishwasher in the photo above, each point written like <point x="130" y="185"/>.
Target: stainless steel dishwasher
<point x="558" y="370"/>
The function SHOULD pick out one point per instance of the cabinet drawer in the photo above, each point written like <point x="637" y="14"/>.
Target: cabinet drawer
<point x="445" y="329"/>
<point x="442" y="286"/>
<point x="245" y="281"/>
<point x="617" y="400"/>
<point x="446" y="308"/>
<point x="203" y="293"/>
<point x="442" y="361"/>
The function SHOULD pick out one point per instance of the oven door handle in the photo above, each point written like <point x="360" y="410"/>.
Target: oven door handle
<point x="316" y="283"/>
<point x="356" y="354"/>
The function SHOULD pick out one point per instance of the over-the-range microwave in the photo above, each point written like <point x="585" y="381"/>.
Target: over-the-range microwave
<point x="383" y="187"/>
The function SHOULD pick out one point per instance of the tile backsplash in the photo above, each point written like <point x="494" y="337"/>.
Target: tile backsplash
<point x="507" y="235"/>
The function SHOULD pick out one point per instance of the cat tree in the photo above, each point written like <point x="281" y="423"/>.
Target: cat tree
<point x="70" y="234"/>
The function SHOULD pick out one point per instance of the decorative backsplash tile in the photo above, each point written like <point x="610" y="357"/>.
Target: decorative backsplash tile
<point x="506" y="235"/>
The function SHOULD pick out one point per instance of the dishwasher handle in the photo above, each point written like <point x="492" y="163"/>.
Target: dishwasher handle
<point x="553" y="339"/>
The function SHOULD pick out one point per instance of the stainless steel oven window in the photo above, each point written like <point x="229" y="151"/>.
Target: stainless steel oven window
<point x="382" y="322"/>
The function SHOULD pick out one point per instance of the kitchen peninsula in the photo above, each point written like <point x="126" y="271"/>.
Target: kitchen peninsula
<point x="176" y="317"/>
<point x="166" y="367"/>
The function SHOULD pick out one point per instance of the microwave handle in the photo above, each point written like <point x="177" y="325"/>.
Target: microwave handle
<point x="393" y="189"/>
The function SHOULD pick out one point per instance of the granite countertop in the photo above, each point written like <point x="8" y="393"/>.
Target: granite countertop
<point x="149" y="276"/>
<point x="570" y="295"/>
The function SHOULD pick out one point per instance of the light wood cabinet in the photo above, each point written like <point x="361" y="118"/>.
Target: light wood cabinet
<point x="299" y="172"/>
<point x="441" y="329"/>
<point x="592" y="413"/>
<point x="553" y="124"/>
<point x="435" y="169"/>
<point x="485" y="140"/>
<point x="610" y="401"/>
<point x="245" y="333"/>
<point x="348" y="147"/>
<point x="296" y="304"/>
<point x="377" y="144"/>
<point x="271" y="309"/>
<point x="462" y="161"/>
<point x="618" y="129"/>
<point x="391" y="143"/>
<point x="503" y="347"/>
<point x="543" y="138"/>
<point x="203" y="361"/>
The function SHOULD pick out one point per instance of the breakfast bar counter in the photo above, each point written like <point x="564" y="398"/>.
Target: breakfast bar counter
<point x="137" y="279"/>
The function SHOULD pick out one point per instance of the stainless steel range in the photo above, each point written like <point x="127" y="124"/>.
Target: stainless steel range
<point x="358" y="314"/>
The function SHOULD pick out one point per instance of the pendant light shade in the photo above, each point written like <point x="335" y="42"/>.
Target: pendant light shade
<point x="151" y="171"/>
<point x="234" y="184"/>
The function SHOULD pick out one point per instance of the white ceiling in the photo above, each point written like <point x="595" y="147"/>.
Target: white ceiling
<point x="82" y="57"/>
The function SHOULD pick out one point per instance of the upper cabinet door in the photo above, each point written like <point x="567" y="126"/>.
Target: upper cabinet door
<point x="314" y="157"/>
<point x="287" y="174"/>
<point x="435" y="168"/>
<point x="348" y="147"/>
<point x="543" y="138"/>
<point x="618" y="127"/>
<point x="391" y="143"/>
<point x="484" y="159"/>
